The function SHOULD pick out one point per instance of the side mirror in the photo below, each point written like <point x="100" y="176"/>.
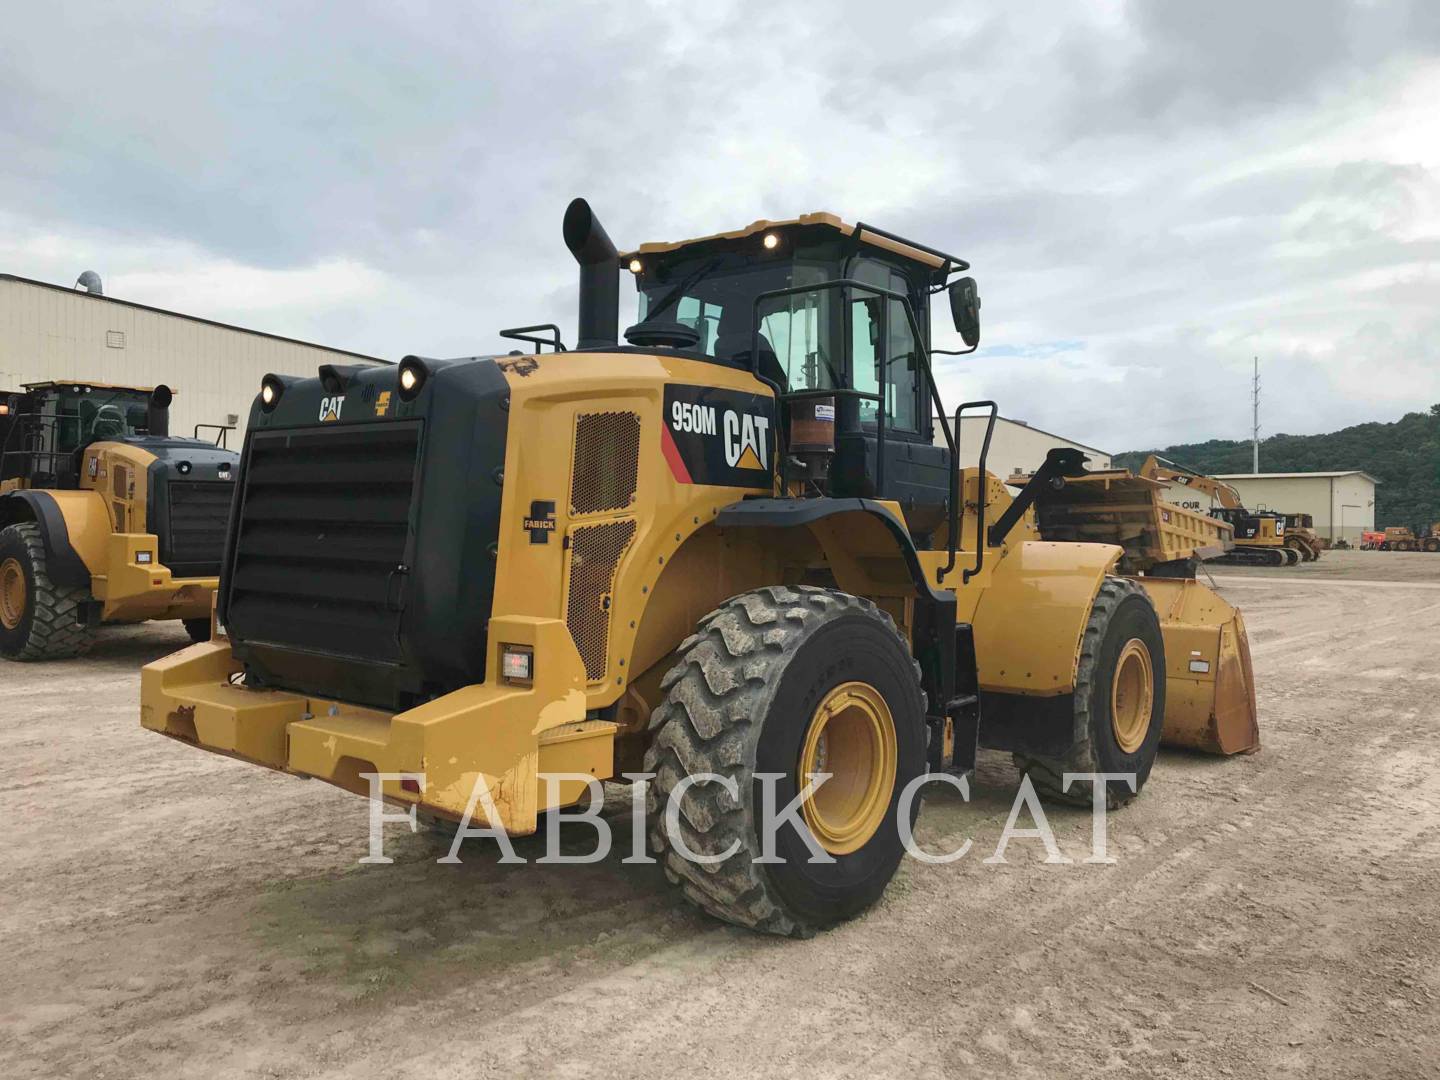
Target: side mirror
<point x="965" y="310"/>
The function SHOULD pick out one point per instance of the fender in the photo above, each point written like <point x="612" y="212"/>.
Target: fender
<point x="1027" y="672"/>
<point x="74" y="526"/>
<point x="935" y="633"/>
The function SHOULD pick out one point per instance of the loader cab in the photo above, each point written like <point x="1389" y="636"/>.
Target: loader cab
<point x="49" y="422"/>
<point x="836" y="319"/>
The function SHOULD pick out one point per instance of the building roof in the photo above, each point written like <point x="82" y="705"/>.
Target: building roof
<point x="1039" y="431"/>
<point x="1295" y="475"/>
<point x="101" y="299"/>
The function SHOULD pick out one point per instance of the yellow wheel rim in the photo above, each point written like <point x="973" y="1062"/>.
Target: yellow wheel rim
<point x="12" y="593"/>
<point x="851" y="737"/>
<point x="1132" y="695"/>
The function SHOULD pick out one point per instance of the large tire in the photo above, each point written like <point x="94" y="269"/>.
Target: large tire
<point x="39" y="620"/>
<point x="1292" y="557"/>
<point x="754" y="685"/>
<point x="1432" y="543"/>
<point x="1122" y="618"/>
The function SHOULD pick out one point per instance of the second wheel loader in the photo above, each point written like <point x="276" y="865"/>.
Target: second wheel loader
<point x="105" y="517"/>
<point x="717" y="548"/>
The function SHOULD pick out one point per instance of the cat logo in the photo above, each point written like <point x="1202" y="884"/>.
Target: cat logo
<point x="330" y="408"/>
<point x="746" y="441"/>
<point x="717" y="436"/>
<point x="382" y="403"/>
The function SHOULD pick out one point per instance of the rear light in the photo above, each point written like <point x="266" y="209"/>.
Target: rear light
<point x="143" y="556"/>
<point x="517" y="664"/>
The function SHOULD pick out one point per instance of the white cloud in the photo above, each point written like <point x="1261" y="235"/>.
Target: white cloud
<point x="1151" y="193"/>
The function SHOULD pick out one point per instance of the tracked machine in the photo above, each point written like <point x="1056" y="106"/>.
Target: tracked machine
<point x="720" y="547"/>
<point x="1300" y="534"/>
<point x="104" y="516"/>
<point x="1259" y="535"/>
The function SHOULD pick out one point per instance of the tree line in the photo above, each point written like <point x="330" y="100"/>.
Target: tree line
<point x="1403" y="455"/>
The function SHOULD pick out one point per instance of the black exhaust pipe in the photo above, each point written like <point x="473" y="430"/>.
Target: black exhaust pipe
<point x="599" y="276"/>
<point x="157" y="411"/>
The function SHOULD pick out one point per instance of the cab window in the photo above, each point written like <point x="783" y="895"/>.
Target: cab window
<point x="884" y="350"/>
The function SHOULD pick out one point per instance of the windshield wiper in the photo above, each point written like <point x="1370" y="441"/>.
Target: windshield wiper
<point x="676" y="293"/>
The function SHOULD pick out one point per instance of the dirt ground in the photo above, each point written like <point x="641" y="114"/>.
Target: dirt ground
<point x="165" y="912"/>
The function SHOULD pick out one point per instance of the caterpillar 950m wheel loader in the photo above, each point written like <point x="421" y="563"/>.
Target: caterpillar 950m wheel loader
<point x="724" y="544"/>
<point x="104" y="516"/>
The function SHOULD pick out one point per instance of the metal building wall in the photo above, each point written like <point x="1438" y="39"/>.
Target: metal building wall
<point x="52" y="333"/>
<point x="1343" y="506"/>
<point x="1014" y="447"/>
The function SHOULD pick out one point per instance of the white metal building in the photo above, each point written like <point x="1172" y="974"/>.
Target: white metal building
<point x="1342" y="503"/>
<point x="53" y="332"/>
<point x="1015" y="447"/>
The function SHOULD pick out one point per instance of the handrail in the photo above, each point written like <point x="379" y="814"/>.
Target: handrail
<point x="222" y="429"/>
<point x="957" y="493"/>
<point x="527" y="333"/>
<point x="953" y="263"/>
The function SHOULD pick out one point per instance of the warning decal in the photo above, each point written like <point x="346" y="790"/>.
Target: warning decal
<point x="722" y="438"/>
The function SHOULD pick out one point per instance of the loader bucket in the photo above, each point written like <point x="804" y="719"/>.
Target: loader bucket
<point x="1209" y="684"/>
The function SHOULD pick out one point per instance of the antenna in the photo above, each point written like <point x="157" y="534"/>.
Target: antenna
<point x="1255" y="419"/>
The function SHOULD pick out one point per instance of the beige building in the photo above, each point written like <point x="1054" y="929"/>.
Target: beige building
<point x="52" y="332"/>
<point x="1342" y="503"/>
<point x="1015" y="447"/>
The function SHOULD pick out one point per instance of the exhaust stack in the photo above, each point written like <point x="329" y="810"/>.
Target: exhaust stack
<point x="157" y="411"/>
<point x="599" y="276"/>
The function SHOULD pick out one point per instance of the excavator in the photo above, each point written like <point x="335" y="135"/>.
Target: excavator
<point x="1259" y="535"/>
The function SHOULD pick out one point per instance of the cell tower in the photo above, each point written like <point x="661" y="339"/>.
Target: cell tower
<point x="1255" y="419"/>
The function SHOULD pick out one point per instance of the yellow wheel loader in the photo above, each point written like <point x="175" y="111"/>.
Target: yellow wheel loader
<point x="719" y="549"/>
<point x="104" y="517"/>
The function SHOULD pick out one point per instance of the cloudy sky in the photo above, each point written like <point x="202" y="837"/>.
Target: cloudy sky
<point x="1151" y="192"/>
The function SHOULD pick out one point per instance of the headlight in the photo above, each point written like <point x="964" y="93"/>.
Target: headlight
<point x="271" y="390"/>
<point x="413" y="374"/>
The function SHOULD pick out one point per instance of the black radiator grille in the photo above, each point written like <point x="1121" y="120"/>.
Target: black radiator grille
<point x="192" y="540"/>
<point x="319" y="553"/>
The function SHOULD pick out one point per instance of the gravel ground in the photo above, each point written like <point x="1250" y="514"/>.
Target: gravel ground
<point x="166" y="912"/>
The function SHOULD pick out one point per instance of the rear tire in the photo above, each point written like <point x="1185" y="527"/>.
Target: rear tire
<point x="198" y="629"/>
<point x="39" y="620"/>
<point x="1122" y="638"/>
<point x="1432" y="544"/>
<point x="768" y="680"/>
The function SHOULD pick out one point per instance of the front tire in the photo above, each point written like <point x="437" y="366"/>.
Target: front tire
<point x="788" y="681"/>
<point x="39" y="620"/>
<point x="1119" y="700"/>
